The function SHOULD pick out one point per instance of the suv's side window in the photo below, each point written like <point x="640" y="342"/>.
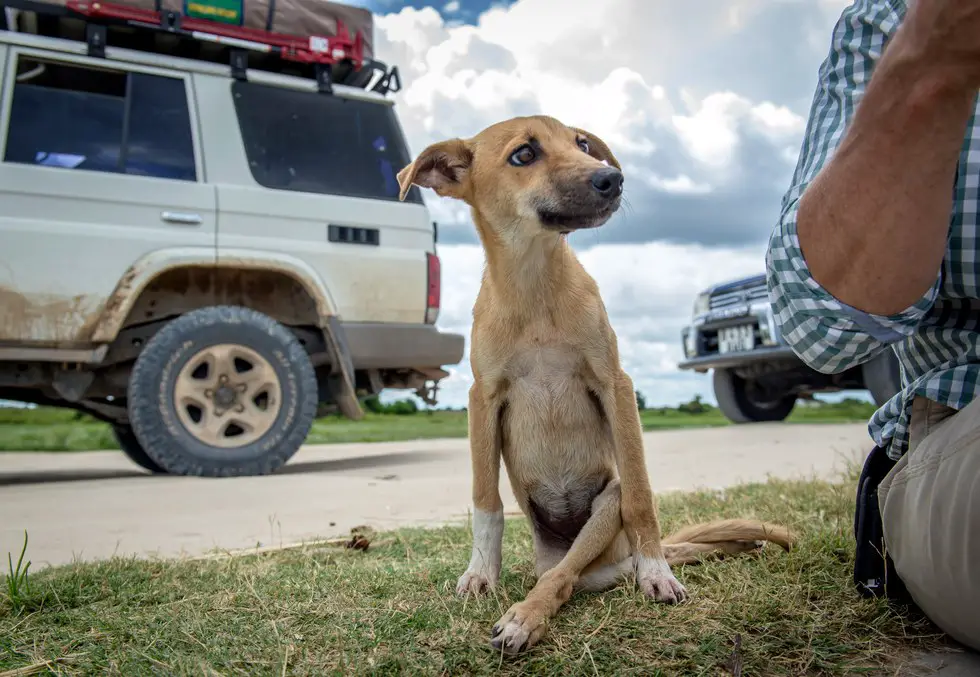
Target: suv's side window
<point x="76" y="117"/>
<point x="318" y="143"/>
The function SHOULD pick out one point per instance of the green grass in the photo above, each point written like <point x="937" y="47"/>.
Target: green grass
<point x="49" y="429"/>
<point x="320" y="610"/>
<point x="18" y="579"/>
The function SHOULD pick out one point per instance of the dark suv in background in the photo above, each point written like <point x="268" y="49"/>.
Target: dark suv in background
<point x="757" y="377"/>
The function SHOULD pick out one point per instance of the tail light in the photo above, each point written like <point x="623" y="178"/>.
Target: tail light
<point x="434" y="287"/>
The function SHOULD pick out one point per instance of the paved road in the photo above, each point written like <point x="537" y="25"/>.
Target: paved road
<point x="92" y="505"/>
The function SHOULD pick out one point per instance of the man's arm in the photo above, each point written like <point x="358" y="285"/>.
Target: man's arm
<point x="873" y="223"/>
<point x="854" y="261"/>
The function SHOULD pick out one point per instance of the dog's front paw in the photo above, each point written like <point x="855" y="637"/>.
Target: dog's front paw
<point x="520" y="628"/>
<point x="475" y="583"/>
<point x="656" y="580"/>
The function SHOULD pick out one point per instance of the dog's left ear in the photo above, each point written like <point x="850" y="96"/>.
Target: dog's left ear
<point x="598" y="148"/>
<point x="443" y="167"/>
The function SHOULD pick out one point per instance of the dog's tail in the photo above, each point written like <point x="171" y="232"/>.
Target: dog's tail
<point x="721" y="531"/>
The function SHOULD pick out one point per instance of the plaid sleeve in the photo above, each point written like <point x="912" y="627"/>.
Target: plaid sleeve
<point x="827" y="334"/>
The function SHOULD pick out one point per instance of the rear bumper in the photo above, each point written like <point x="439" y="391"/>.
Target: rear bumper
<point x="401" y="346"/>
<point x="716" y="361"/>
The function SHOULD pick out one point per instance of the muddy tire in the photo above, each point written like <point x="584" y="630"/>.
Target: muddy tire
<point x="133" y="449"/>
<point x="740" y="403"/>
<point x="222" y="391"/>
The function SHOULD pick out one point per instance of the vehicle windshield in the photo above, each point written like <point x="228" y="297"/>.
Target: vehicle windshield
<point x="314" y="143"/>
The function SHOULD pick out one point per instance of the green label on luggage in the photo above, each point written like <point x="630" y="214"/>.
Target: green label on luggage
<point x="222" y="11"/>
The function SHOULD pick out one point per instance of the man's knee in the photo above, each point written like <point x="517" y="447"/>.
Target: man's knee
<point x="931" y="520"/>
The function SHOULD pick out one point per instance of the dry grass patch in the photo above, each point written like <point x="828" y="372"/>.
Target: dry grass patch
<point x="391" y="609"/>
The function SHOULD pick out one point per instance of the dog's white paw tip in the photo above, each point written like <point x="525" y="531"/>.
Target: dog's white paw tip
<point x="473" y="584"/>
<point x="659" y="582"/>
<point x="666" y="591"/>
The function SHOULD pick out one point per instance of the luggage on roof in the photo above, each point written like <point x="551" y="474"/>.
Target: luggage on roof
<point x="300" y="18"/>
<point x="330" y="41"/>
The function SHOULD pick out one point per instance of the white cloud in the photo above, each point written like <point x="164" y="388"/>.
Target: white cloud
<point x="704" y="110"/>
<point x="451" y="7"/>
<point x="678" y="184"/>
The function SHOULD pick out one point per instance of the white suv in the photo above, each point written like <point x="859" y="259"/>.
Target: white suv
<point x="204" y="256"/>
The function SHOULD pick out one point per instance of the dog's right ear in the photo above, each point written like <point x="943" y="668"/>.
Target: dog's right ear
<point x="443" y="167"/>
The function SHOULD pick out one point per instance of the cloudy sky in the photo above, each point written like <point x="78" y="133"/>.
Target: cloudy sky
<point x="705" y="110"/>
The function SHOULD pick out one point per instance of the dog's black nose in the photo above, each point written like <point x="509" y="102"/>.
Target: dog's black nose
<point x="608" y="181"/>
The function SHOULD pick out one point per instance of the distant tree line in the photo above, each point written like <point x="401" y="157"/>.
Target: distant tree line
<point x="408" y="407"/>
<point x="696" y="405"/>
<point x="398" y="407"/>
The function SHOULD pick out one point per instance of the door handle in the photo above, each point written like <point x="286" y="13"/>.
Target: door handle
<point x="183" y="218"/>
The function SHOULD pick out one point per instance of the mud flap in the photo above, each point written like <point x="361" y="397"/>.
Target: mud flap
<point x="342" y="376"/>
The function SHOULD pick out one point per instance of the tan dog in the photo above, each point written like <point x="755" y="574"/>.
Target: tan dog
<point x="549" y="394"/>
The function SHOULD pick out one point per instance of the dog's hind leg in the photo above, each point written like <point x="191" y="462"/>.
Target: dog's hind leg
<point x="526" y="622"/>
<point x="607" y="576"/>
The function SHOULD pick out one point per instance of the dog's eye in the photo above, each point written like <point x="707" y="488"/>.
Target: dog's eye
<point x="524" y="155"/>
<point x="584" y="145"/>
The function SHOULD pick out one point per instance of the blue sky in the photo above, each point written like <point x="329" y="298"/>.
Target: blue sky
<point x="461" y="11"/>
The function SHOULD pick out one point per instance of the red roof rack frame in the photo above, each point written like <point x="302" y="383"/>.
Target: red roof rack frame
<point x="336" y="58"/>
<point x="315" y="49"/>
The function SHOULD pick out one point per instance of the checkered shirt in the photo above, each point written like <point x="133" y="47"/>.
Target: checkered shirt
<point x="937" y="340"/>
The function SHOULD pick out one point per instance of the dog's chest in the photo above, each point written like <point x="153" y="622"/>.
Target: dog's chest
<point x="552" y="408"/>
<point x="549" y="380"/>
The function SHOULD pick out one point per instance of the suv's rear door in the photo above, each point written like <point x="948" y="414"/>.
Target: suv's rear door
<point x="323" y="188"/>
<point x="100" y="166"/>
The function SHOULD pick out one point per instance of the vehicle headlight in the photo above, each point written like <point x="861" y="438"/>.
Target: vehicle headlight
<point x="702" y="303"/>
<point x="690" y="344"/>
<point x="764" y="334"/>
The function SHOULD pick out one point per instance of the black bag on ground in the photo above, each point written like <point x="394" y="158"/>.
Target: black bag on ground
<point x="874" y="570"/>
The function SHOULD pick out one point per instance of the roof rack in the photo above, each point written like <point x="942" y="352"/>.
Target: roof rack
<point x="329" y="59"/>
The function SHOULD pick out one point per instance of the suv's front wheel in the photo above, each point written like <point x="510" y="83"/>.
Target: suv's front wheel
<point x="222" y="391"/>
<point x="743" y="401"/>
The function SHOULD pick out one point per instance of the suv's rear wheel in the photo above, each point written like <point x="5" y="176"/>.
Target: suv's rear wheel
<point x="222" y="391"/>
<point x="133" y="449"/>
<point x="743" y="401"/>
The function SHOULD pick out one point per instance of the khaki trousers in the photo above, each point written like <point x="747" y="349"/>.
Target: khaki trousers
<point x="930" y="513"/>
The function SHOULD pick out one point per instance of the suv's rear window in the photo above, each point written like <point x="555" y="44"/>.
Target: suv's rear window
<point x="318" y="143"/>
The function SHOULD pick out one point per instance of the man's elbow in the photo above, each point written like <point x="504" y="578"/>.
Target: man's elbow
<point x="810" y="340"/>
<point x="804" y="324"/>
